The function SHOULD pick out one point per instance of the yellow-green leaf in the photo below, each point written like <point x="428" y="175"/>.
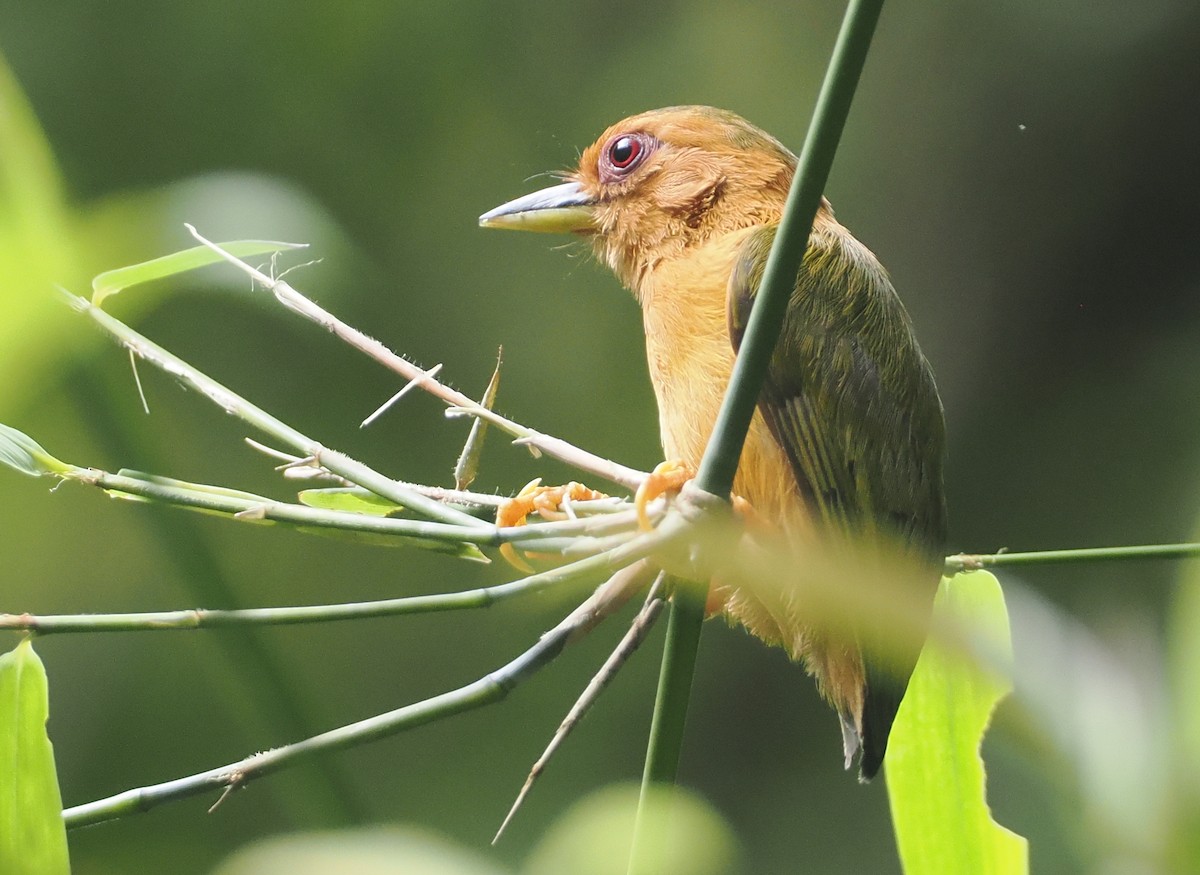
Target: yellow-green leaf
<point x="351" y="499"/>
<point x="112" y="281"/>
<point x="380" y="539"/>
<point x="935" y="776"/>
<point x="22" y="453"/>
<point x="33" y="840"/>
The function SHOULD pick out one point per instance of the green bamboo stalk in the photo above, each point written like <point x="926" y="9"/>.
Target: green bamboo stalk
<point x="720" y="461"/>
<point x="549" y="536"/>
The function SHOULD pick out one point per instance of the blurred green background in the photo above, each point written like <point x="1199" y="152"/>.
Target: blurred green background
<point x="1027" y="172"/>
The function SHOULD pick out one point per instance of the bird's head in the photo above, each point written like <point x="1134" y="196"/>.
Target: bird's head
<point x="656" y="185"/>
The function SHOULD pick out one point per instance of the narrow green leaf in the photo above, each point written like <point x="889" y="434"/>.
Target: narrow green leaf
<point x="112" y="281"/>
<point x="356" y="500"/>
<point x="22" y="453"/>
<point x="935" y="775"/>
<point x="190" y="486"/>
<point x="377" y="539"/>
<point x="351" y="499"/>
<point x="33" y="839"/>
<point x="468" y="462"/>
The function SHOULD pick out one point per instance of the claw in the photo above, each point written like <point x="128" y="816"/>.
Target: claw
<point x="547" y="502"/>
<point x="666" y="477"/>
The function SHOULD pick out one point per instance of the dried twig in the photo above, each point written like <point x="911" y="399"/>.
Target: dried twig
<point x="633" y="638"/>
<point x="557" y="448"/>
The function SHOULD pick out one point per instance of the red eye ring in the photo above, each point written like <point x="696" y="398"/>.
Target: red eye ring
<point x="624" y="151"/>
<point x="623" y="154"/>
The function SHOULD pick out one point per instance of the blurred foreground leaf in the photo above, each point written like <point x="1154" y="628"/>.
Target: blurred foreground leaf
<point x="595" y="835"/>
<point x="35" y="240"/>
<point x="935" y="775"/>
<point x="592" y="837"/>
<point x="33" y="840"/>
<point x="377" y="851"/>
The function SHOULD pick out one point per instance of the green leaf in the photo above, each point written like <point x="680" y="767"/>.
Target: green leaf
<point x="935" y="775"/>
<point x="112" y="281"/>
<point x="33" y="839"/>
<point x="352" y="499"/>
<point x="378" y="539"/>
<point x="22" y="453"/>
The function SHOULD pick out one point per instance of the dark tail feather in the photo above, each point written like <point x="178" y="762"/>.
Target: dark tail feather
<point x="881" y="700"/>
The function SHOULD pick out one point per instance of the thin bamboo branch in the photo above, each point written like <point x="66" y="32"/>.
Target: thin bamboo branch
<point x="975" y="561"/>
<point x="490" y="688"/>
<point x="557" y="448"/>
<point x="234" y="404"/>
<point x="254" y="508"/>
<point x="590" y="568"/>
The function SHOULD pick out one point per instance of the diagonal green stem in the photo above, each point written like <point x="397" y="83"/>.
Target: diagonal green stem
<point x="491" y="688"/>
<point x="338" y="463"/>
<point x="717" y="468"/>
<point x="779" y="277"/>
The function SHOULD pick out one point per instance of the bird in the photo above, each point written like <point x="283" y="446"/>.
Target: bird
<point x="848" y="436"/>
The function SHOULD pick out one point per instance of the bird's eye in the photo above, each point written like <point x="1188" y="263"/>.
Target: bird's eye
<point x="623" y="154"/>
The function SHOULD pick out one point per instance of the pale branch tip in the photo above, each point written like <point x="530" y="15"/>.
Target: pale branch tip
<point x="404" y="390"/>
<point x="297" y="303"/>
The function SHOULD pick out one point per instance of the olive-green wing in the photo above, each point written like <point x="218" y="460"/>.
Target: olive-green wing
<point x="852" y="402"/>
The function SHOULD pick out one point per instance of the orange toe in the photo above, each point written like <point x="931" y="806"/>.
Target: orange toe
<point x="548" y="502"/>
<point x="666" y="477"/>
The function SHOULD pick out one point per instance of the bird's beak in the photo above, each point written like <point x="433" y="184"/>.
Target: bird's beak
<point x="556" y="209"/>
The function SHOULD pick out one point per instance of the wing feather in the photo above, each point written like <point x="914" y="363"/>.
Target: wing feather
<point x="851" y="400"/>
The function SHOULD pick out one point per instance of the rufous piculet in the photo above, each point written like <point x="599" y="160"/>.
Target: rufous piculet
<point x="683" y="204"/>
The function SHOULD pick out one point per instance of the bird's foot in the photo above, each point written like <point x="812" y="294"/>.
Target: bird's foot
<point x="670" y="477"/>
<point x="547" y="502"/>
<point x="667" y="477"/>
